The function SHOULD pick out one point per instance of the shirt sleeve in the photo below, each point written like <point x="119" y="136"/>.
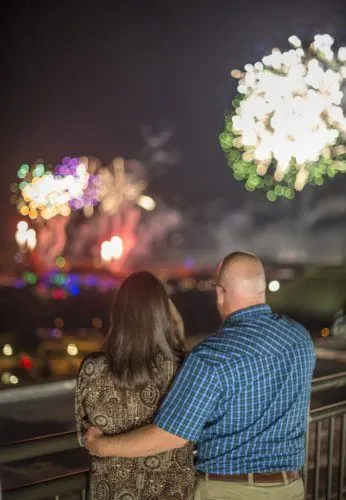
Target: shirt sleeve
<point x="191" y="401"/>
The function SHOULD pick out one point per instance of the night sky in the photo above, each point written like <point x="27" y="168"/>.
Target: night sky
<point x="82" y="78"/>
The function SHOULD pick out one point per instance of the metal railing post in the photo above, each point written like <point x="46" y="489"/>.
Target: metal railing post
<point x="306" y="463"/>
<point x="342" y="457"/>
<point x="330" y="456"/>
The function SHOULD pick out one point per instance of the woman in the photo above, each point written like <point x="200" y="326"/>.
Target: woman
<point x="122" y="388"/>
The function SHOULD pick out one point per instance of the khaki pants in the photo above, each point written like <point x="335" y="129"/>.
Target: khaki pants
<point x="217" y="490"/>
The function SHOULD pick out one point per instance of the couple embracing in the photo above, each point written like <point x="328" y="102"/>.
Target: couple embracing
<point x="240" y="399"/>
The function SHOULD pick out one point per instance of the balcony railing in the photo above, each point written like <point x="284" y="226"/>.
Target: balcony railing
<point x="324" y="471"/>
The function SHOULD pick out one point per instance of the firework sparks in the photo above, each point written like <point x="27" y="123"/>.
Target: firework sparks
<point x="118" y="187"/>
<point x="42" y="193"/>
<point x="111" y="199"/>
<point x="112" y="249"/>
<point x="288" y="127"/>
<point x="85" y="187"/>
<point x="25" y="237"/>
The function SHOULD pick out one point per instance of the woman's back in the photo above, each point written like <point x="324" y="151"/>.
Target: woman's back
<point x="117" y="410"/>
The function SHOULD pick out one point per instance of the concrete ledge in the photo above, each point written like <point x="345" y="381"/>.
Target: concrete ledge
<point x="67" y="387"/>
<point x="37" y="391"/>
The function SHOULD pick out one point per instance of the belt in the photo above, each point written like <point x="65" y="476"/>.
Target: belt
<point x="258" y="477"/>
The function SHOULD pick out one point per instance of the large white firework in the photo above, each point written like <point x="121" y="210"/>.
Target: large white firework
<point x="290" y="110"/>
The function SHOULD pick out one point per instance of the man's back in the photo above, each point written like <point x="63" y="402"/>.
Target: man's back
<point x="252" y="387"/>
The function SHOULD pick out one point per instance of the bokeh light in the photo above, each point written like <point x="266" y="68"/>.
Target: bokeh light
<point x="97" y="323"/>
<point x="325" y="332"/>
<point x="274" y="286"/>
<point x="14" y="379"/>
<point x="30" y="278"/>
<point x="72" y="349"/>
<point x="60" y="261"/>
<point x="59" y="322"/>
<point x="7" y="350"/>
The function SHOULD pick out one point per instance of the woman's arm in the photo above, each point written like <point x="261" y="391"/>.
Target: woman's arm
<point x="81" y="417"/>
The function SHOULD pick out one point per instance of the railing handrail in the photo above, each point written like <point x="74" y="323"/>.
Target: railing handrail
<point x="50" y="444"/>
<point x="66" y="441"/>
<point x="67" y="483"/>
<point x="333" y="381"/>
<point x="38" y="446"/>
<point x="328" y="411"/>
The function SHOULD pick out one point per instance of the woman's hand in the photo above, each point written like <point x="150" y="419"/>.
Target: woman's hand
<point x="93" y="440"/>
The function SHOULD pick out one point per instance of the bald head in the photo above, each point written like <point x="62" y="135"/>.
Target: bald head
<point x="242" y="277"/>
<point x="242" y="273"/>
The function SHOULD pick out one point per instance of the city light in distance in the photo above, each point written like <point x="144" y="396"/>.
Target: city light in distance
<point x="59" y="322"/>
<point x="325" y="332"/>
<point x="14" y="379"/>
<point x="97" y="322"/>
<point x="7" y="350"/>
<point x="274" y="286"/>
<point x="9" y="378"/>
<point x="72" y="350"/>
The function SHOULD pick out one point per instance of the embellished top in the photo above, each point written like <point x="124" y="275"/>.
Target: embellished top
<point x="99" y="402"/>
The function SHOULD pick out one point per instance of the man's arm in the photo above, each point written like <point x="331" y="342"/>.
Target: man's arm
<point x="141" y="442"/>
<point x="186" y="409"/>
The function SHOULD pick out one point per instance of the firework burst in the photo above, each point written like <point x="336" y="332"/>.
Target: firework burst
<point x="288" y="128"/>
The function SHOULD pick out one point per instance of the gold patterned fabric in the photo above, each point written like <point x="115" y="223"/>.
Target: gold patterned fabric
<point x="99" y="402"/>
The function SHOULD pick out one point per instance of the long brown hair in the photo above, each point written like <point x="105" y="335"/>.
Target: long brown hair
<point x="144" y="323"/>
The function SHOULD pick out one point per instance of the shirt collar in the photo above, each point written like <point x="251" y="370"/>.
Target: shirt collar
<point x="248" y="312"/>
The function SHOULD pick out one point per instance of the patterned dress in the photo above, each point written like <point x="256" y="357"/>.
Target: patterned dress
<point x="99" y="402"/>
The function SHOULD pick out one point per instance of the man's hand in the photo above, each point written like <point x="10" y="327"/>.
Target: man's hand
<point x="94" y="441"/>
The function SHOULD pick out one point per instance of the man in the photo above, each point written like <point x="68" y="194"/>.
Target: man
<point x="242" y="396"/>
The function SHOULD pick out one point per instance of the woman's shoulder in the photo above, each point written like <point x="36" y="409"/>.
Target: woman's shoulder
<point x="167" y="368"/>
<point x="92" y="363"/>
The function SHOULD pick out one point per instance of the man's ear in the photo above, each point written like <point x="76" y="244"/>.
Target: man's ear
<point x="220" y="296"/>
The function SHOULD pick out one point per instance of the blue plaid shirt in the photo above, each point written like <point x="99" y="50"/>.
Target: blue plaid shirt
<point x="243" y="394"/>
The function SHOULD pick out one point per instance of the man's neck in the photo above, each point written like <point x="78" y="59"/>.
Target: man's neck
<point x="243" y="304"/>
